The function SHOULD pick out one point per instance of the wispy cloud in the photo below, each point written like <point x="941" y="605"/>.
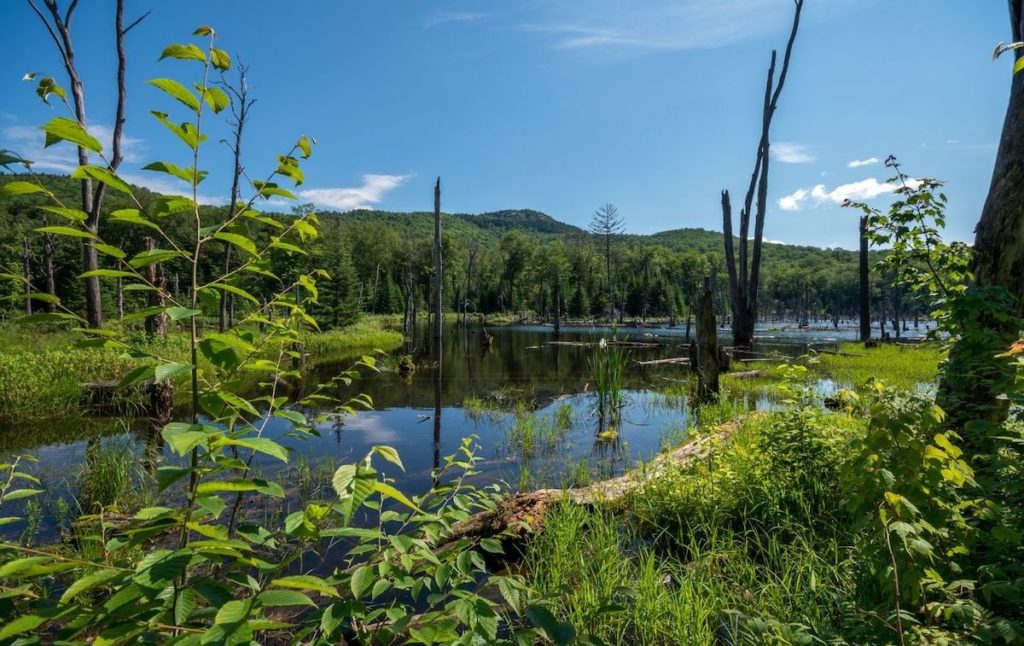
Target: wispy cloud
<point x="653" y="25"/>
<point x="446" y="17"/>
<point x="791" y="153"/>
<point x="372" y="191"/>
<point x="863" y="190"/>
<point x="857" y="163"/>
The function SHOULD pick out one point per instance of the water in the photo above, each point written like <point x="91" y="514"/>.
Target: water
<point x="425" y="416"/>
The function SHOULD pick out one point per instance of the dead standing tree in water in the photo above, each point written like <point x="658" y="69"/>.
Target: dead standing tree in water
<point x="707" y="351"/>
<point x="607" y="224"/>
<point x="865" y="292"/>
<point x="438" y="277"/>
<point x="744" y="279"/>
<point x="58" y="26"/>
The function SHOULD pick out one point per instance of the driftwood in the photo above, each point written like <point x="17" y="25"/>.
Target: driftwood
<point x="748" y="374"/>
<point x="836" y="353"/>
<point x="682" y="361"/>
<point x="521" y="516"/>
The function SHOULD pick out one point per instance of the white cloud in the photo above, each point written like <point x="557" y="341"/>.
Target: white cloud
<point x="857" y="163"/>
<point x="446" y="17"/>
<point x="373" y="190"/>
<point x="790" y="153"/>
<point x="857" y="191"/>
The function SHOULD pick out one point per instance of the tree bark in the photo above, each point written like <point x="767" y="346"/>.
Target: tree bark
<point x="707" y="346"/>
<point x="744" y="280"/>
<point x="156" y="324"/>
<point x="438" y="264"/>
<point x="49" y="282"/>
<point x="865" y="292"/>
<point x="26" y="264"/>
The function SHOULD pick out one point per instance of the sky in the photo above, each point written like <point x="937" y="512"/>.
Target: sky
<point x="651" y="105"/>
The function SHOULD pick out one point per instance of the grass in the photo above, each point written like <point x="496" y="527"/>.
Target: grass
<point x="368" y="333"/>
<point x="113" y="476"/>
<point x="533" y="434"/>
<point x="902" y="366"/>
<point x="743" y="547"/>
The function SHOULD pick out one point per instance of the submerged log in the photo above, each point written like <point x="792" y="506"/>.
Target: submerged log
<point x="520" y="516"/>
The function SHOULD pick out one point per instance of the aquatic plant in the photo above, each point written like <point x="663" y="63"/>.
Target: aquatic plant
<point x="607" y="364"/>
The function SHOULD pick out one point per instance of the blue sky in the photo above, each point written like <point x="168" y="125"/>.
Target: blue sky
<point x="562" y="106"/>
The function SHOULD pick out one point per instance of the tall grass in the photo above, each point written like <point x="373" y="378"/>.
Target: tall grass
<point x="903" y="366"/>
<point x="368" y="333"/>
<point x="607" y="365"/>
<point x="113" y="476"/>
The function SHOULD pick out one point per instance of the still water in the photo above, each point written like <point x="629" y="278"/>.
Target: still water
<point x="550" y="438"/>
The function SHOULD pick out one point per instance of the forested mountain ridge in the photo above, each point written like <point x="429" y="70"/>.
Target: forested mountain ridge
<point x="519" y="260"/>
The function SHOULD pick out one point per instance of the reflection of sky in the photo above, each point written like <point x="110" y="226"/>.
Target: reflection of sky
<point x="521" y="363"/>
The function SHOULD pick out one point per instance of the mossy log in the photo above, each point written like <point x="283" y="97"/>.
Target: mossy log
<point x="520" y="516"/>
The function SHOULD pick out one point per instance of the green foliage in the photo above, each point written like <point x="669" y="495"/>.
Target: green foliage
<point x="606" y="368"/>
<point x="196" y="566"/>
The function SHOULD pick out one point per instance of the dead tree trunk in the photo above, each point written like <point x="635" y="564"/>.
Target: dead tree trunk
<point x="49" y="282"/>
<point x="26" y="264"/>
<point x="438" y="282"/>
<point x="744" y="278"/>
<point x="120" y="298"/>
<point x="707" y="346"/>
<point x="865" y="292"/>
<point x="156" y="324"/>
<point x="92" y="199"/>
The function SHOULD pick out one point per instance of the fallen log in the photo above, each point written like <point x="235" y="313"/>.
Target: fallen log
<point x="681" y="361"/>
<point x="521" y="515"/>
<point x="748" y="374"/>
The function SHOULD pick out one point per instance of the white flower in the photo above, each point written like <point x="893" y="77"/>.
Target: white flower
<point x="603" y="344"/>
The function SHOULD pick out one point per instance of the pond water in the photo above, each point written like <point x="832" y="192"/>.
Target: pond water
<point x="551" y="438"/>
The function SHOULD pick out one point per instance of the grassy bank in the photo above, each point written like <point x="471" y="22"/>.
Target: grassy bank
<point x="42" y="370"/>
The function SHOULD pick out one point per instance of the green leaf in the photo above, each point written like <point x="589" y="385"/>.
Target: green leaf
<point x="275" y="598"/>
<point x="232" y="612"/>
<point x="88" y="582"/>
<point x="165" y="371"/>
<point x="306" y="582"/>
<point x="184" y="52"/>
<point x="305" y="147"/>
<point x="220" y="59"/>
<point x="107" y="273"/>
<point x="362" y="579"/>
<point x="177" y="91"/>
<point x="239" y="241"/>
<point x="182" y="437"/>
<point x="132" y="216"/>
<point x="109" y="250"/>
<point x="70" y="214"/>
<point x="176" y="313"/>
<point x="260" y="444"/>
<point x="389" y="454"/>
<point x="387" y="490"/>
<point x="18" y="494"/>
<point x="68" y="231"/>
<point x="187" y="132"/>
<point x="541" y="617"/>
<point x="148" y="257"/>
<point x="186" y="174"/>
<point x="63" y="129"/>
<point x="22" y="624"/>
<point x="216" y="98"/>
<point x="237" y="291"/>
<point x="103" y="175"/>
<point x="20" y="188"/>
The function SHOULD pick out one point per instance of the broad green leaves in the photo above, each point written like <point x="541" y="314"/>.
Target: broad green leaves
<point x="177" y="91"/>
<point x="63" y="129"/>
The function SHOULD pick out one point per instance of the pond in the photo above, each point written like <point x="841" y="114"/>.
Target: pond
<point x="526" y="400"/>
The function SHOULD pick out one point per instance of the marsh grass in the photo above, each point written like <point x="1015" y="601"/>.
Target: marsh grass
<point x="368" y="333"/>
<point x="607" y="365"/>
<point x="902" y="366"/>
<point x="113" y="476"/>
<point x="533" y="434"/>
